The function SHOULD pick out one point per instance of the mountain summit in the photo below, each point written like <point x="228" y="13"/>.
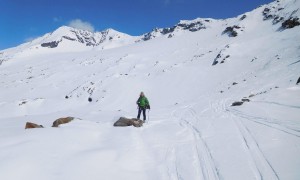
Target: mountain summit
<point x="65" y="36"/>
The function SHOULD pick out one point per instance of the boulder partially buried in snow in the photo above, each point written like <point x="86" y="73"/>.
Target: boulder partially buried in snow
<point x="128" y="122"/>
<point x="64" y="120"/>
<point x="237" y="103"/>
<point x="298" y="81"/>
<point x="30" y="125"/>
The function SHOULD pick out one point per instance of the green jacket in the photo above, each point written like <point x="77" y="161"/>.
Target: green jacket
<point x="143" y="102"/>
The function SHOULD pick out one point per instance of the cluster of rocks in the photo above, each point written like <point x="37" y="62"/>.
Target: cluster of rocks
<point x="231" y="31"/>
<point x="122" y="122"/>
<point x="221" y="56"/>
<point x="290" y="23"/>
<point x="273" y="13"/>
<point x="241" y="102"/>
<point x="52" y="44"/>
<point x="183" y="25"/>
<point x="56" y="123"/>
<point x="246" y="99"/>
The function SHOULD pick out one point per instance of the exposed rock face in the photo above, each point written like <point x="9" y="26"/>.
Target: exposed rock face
<point x="191" y="26"/>
<point x="52" y="44"/>
<point x="222" y="56"/>
<point x="231" y="31"/>
<point x="30" y="125"/>
<point x="128" y="122"/>
<point x="277" y="13"/>
<point x="78" y="36"/>
<point x="291" y="23"/>
<point x="266" y="14"/>
<point x="59" y="121"/>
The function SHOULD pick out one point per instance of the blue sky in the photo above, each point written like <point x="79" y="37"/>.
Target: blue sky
<point x="23" y="20"/>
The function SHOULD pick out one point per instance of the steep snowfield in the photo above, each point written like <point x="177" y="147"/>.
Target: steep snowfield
<point x="192" y="132"/>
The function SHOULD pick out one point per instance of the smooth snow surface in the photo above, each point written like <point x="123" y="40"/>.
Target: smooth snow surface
<point x="192" y="133"/>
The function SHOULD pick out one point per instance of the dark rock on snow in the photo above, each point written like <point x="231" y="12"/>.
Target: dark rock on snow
<point x="266" y="14"/>
<point x="245" y="100"/>
<point x="52" y="44"/>
<point x="298" y="81"/>
<point x="237" y="103"/>
<point x="251" y="95"/>
<point x="230" y="31"/>
<point x="290" y="23"/>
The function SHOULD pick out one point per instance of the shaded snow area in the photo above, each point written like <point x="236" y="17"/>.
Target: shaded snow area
<point x="191" y="79"/>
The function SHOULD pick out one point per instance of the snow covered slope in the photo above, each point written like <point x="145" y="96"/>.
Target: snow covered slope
<point x="191" y="74"/>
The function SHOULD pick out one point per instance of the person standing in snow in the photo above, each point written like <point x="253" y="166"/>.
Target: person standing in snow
<point x="143" y="104"/>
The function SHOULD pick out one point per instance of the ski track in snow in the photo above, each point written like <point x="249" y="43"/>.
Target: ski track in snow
<point x="262" y="168"/>
<point x="205" y="160"/>
<point x="268" y="122"/>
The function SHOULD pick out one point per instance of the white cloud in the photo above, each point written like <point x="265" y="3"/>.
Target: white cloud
<point x="79" y="24"/>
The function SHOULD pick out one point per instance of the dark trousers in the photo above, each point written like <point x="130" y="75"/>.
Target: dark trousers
<point x="141" y="109"/>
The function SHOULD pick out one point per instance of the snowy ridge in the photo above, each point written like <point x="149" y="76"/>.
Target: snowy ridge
<point x="191" y="80"/>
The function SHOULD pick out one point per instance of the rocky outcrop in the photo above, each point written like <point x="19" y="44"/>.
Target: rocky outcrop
<point x="52" y="44"/>
<point x="30" y="125"/>
<point x="231" y="31"/>
<point x="123" y="122"/>
<point x="192" y="26"/>
<point x="277" y="13"/>
<point x="290" y="23"/>
<point x="60" y="121"/>
<point x="222" y="56"/>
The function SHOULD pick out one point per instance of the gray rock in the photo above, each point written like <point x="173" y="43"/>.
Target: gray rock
<point x="52" y="44"/>
<point x="245" y="100"/>
<point x="251" y="95"/>
<point x="122" y="122"/>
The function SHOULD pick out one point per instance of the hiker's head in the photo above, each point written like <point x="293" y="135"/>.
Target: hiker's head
<point x="142" y="94"/>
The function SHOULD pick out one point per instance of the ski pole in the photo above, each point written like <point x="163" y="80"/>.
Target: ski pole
<point x="148" y="115"/>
